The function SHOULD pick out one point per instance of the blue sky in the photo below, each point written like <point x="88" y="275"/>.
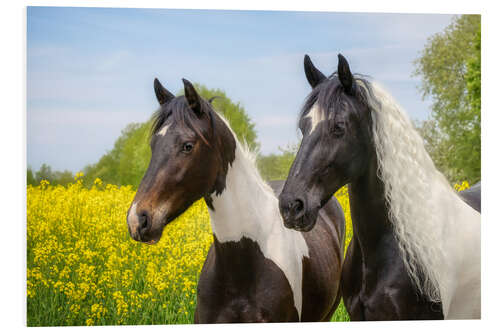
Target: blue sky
<point x="90" y="71"/>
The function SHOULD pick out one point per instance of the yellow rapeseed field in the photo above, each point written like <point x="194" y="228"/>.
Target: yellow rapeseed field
<point x="84" y="269"/>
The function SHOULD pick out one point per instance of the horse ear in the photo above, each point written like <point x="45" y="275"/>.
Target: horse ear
<point x="313" y="75"/>
<point x="192" y="97"/>
<point x="345" y="75"/>
<point x="162" y="95"/>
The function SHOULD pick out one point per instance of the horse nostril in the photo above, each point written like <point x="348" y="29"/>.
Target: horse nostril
<point x="144" y="222"/>
<point x="292" y="208"/>
<point x="296" y="206"/>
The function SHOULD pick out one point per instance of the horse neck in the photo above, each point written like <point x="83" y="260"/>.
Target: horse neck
<point x="247" y="213"/>
<point x="369" y="212"/>
<point x="247" y="207"/>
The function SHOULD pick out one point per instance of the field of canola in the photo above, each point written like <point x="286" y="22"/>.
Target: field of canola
<point x="84" y="269"/>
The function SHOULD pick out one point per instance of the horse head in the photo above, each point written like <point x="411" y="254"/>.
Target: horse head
<point x="336" y="127"/>
<point x="191" y="149"/>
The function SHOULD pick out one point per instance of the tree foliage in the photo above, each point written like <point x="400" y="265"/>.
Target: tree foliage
<point x="450" y="67"/>
<point x="235" y="114"/>
<point x="127" y="162"/>
<point x="45" y="173"/>
<point x="276" y="166"/>
<point x="30" y="178"/>
<point x="128" y="159"/>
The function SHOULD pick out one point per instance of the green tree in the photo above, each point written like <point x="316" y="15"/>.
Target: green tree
<point x="63" y="177"/>
<point x="44" y="173"/>
<point x="471" y="164"/>
<point x="276" y="166"/>
<point x="127" y="162"/>
<point x="450" y="69"/>
<point x="135" y="155"/>
<point x="438" y="148"/>
<point x="235" y="114"/>
<point x="30" y="178"/>
<point x="112" y="166"/>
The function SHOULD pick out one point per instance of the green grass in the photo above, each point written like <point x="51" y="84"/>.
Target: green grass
<point x="341" y="313"/>
<point x="152" y="314"/>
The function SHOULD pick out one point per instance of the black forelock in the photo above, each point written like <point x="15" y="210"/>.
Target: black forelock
<point x="331" y="97"/>
<point x="178" y="111"/>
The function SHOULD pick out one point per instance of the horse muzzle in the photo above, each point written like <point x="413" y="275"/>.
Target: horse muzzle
<point x="141" y="227"/>
<point x="294" y="212"/>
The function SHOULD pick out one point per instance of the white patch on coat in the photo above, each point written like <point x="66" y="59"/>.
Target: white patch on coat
<point x="316" y="115"/>
<point x="248" y="208"/>
<point x="163" y="130"/>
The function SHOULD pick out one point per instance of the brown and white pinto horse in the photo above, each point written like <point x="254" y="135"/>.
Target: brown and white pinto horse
<point x="256" y="270"/>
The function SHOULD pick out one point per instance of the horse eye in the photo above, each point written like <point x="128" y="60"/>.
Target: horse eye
<point x="187" y="147"/>
<point x="338" y="129"/>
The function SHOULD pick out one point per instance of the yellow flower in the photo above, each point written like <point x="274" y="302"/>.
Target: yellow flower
<point x="75" y="308"/>
<point x="84" y="269"/>
<point x="461" y="187"/>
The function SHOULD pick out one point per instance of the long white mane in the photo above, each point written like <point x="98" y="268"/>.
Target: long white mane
<point x="409" y="176"/>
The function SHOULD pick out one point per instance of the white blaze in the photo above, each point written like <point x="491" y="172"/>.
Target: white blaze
<point x="132" y="217"/>
<point x="316" y="115"/>
<point x="163" y="131"/>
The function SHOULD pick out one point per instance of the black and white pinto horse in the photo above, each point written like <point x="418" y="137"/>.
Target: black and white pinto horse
<point x="256" y="270"/>
<point x="416" y="251"/>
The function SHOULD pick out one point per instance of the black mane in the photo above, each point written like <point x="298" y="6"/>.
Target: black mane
<point x="178" y="109"/>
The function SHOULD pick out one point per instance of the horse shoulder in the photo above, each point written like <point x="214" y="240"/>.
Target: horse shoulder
<point x="351" y="281"/>
<point x="208" y="291"/>
<point x="322" y="268"/>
